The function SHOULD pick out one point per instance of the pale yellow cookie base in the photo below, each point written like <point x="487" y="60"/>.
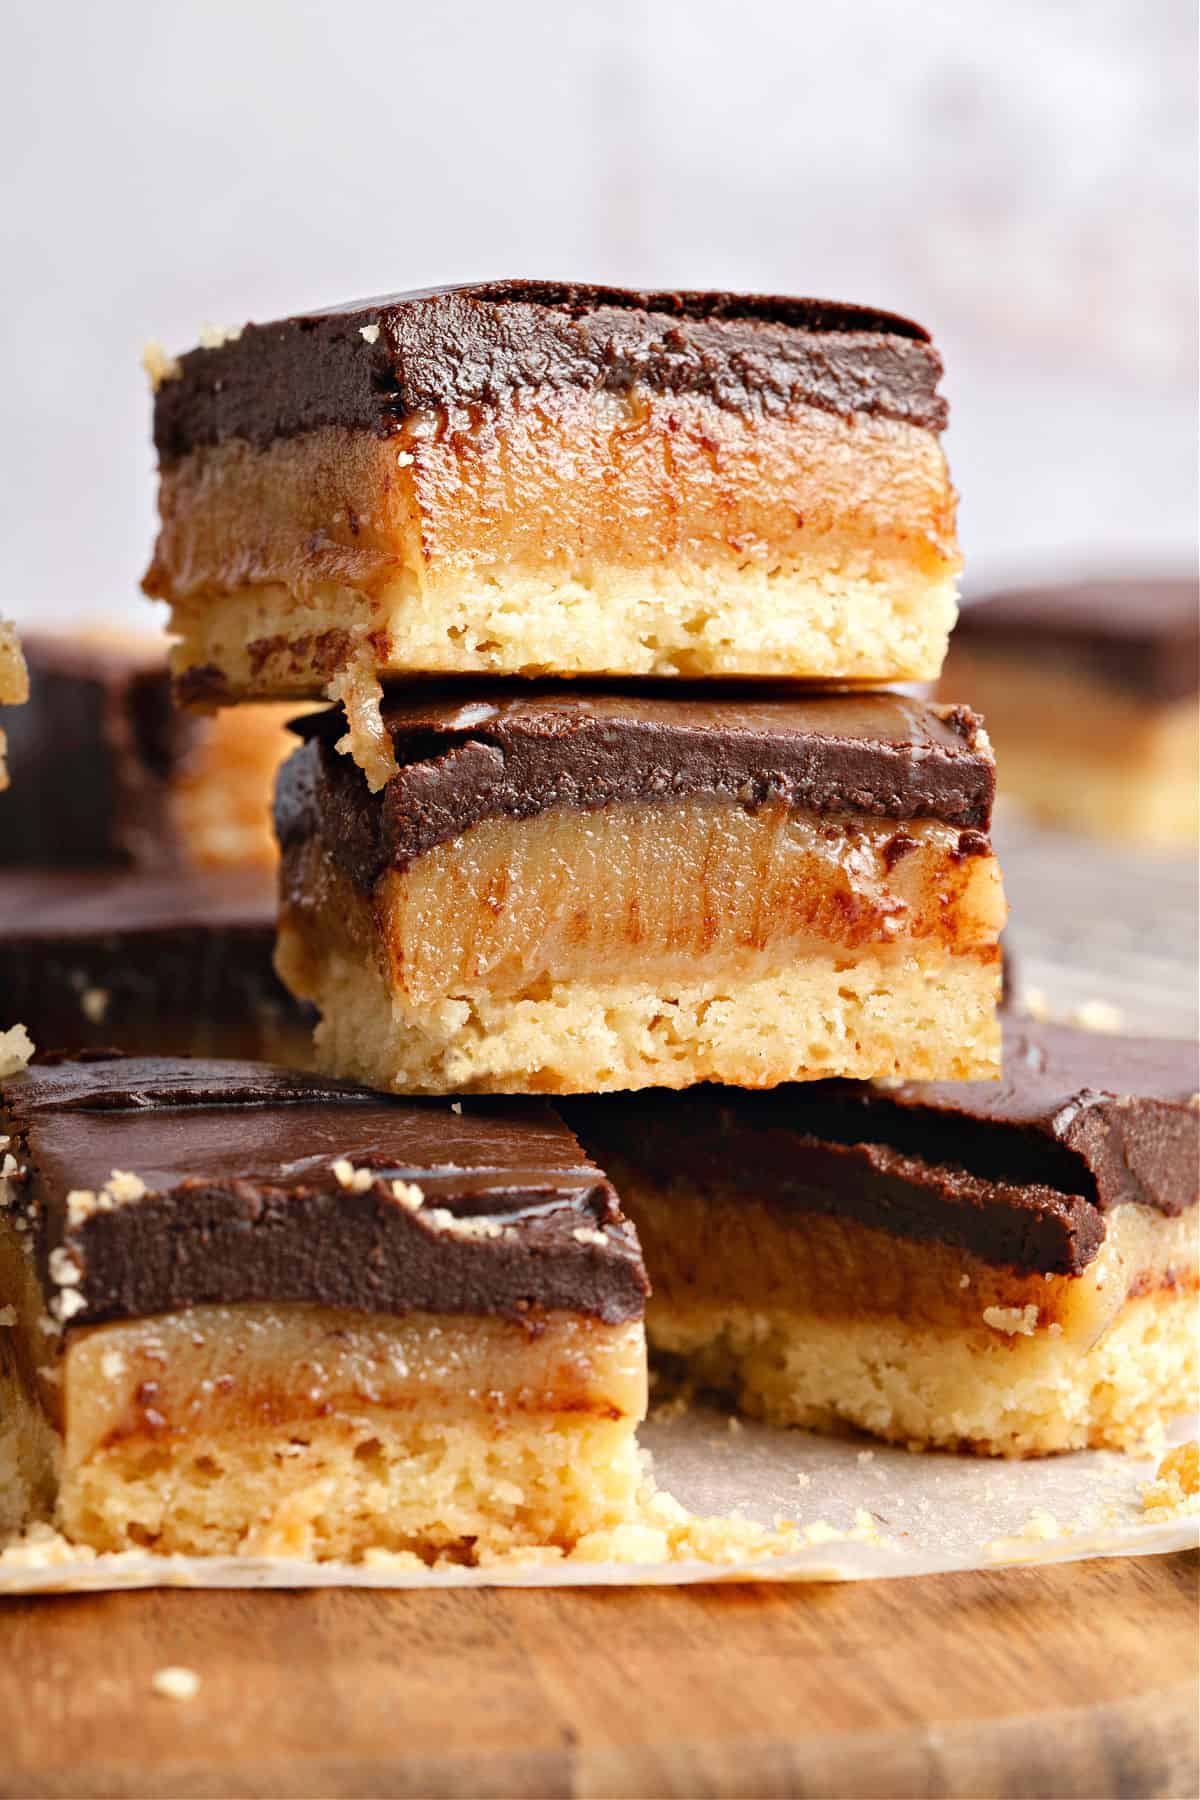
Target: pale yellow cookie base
<point x="983" y="1359"/>
<point x="1083" y="755"/>
<point x="308" y="1431"/>
<point x="856" y="621"/>
<point x="926" y="1014"/>
<point x="379" y="1481"/>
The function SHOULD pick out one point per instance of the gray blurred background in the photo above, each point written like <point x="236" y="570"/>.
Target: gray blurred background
<point x="1018" y="174"/>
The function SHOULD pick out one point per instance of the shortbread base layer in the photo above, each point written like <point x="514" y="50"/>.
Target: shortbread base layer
<point x="925" y="1015"/>
<point x="1084" y="756"/>
<point x="378" y="1481"/>
<point x="818" y="623"/>
<point x="820" y="1321"/>
<point x="937" y="1391"/>
<point x="300" y="1430"/>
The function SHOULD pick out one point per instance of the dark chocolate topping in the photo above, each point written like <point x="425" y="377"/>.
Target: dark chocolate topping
<point x="1142" y="635"/>
<point x="92" y="958"/>
<point x="476" y="752"/>
<point x="373" y="364"/>
<point x="1020" y="1172"/>
<point x="64" y="906"/>
<point x="243" y="1203"/>
<point x="90" y="756"/>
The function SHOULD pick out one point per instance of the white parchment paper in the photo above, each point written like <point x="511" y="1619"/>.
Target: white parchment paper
<point x="901" y="1514"/>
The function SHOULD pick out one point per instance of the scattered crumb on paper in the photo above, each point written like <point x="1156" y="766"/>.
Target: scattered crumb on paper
<point x="1175" y="1491"/>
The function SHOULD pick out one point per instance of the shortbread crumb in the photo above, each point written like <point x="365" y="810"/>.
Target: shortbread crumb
<point x="158" y="365"/>
<point x="16" y="1050"/>
<point x="213" y="336"/>
<point x="347" y="1176"/>
<point x="1014" y="1320"/>
<point x="357" y="688"/>
<point x="1175" y="1490"/>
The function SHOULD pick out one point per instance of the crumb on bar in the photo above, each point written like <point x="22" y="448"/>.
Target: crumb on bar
<point x="16" y="1049"/>
<point x="357" y="689"/>
<point x="440" y="1218"/>
<point x="158" y="365"/>
<point x="1013" y="1320"/>
<point x="121" y="1189"/>
<point x="212" y="337"/>
<point x="357" y="1181"/>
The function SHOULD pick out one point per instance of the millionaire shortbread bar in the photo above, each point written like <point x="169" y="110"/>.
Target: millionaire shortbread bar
<point x="107" y="770"/>
<point x="1003" y="1267"/>
<point x="542" y="478"/>
<point x="571" y="891"/>
<point x="1091" y="692"/>
<point x="242" y="1310"/>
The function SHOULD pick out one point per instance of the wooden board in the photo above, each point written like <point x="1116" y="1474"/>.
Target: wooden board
<point x="1068" y="1681"/>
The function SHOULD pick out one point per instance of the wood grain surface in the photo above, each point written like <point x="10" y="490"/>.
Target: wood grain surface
<point x="1076" y="1680"/>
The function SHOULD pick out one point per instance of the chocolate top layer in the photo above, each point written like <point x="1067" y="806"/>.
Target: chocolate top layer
<point x="374" y="364"/>
<point x="62" y="907"/>
<point x="91" y="756"/>
<point x="476" y="751"/>
<point x="1141" y="635"/>
<point x="243" y="1202"/>
<point x="1019" y="1172"/>
<point x="101" y="957"/>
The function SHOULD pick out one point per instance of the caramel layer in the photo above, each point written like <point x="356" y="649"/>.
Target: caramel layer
<point x="666" y="889"/>
<point x="214" y="1370"/>
<point x="629" y="528"/>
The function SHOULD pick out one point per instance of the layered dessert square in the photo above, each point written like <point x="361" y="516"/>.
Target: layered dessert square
<point x="572" y="891"/>
<point x="1091" y="692"/>
<point x="538" y="478"/>
<point x="155" y="964"/>
<point x="1008" y="1267"/>
<point x="246" y="1311"/>
<point x="14" y="685"/>
<point x="107" y="770"/>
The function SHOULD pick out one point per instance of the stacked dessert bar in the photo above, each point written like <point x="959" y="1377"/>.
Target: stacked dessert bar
<point x="606" y="589"/>
<point x="651" y="874"/>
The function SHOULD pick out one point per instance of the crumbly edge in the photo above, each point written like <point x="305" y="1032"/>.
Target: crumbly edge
<point x="924" y="1014"/>
<point x="991" y="1390"/>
